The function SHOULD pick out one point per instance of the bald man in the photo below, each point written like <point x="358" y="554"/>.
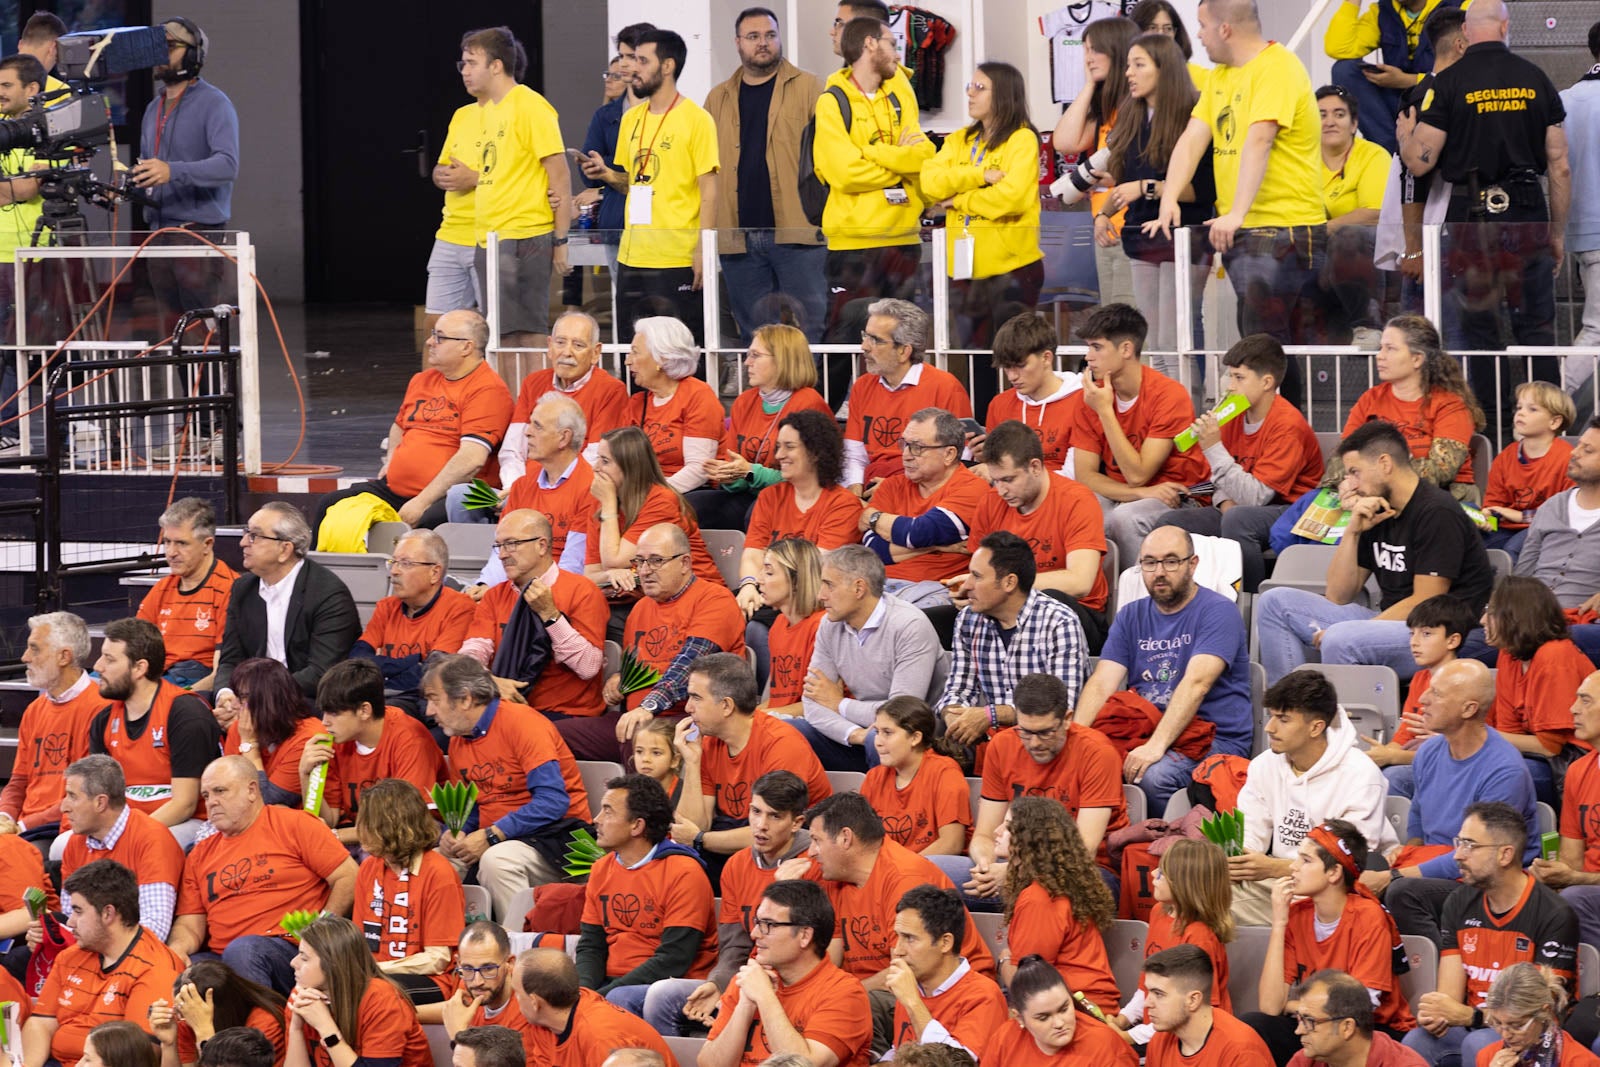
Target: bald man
<point x="574" y="1027"/>
<point x="262" y="862"/>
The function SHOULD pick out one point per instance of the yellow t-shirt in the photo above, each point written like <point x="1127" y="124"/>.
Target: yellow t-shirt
<point x="513" y="186"/>
<point x="463" y="141"/>
<point x="18" y="220"/>
<point x="1360" y="184"/>
<point x="1003" y="219"/>
<point x="1272" y="87"/>
<point x="667" y="153"/>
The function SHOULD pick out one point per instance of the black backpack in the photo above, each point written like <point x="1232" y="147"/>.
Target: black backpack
<point x="813" y="190"/>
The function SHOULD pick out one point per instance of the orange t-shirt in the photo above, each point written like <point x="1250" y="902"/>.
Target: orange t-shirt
<point x="693" y="410"/>
<point x="603" y="398"/>
<point x="437" y="415"/>
<point x="1086" y="773"/>
<point x="1069" y="519"/>
<point x="1093" y="1042"/>
<point x="636" y="906"/>
<point x="970" y="1010"/>
<point x="655" y="632"/>
<point x="23" y="866"/>
<point x="1362" y="946"/>
<point x="244" y="884"/>
<point x="1052" y="421"/>
<point x="834" y="520"/>
<point x="878" y="414"/>
<point x="790" y="649"/>
<point x="11" y="989"/>
<point x="145" y="747"/>
<point x="1283" y="454"/>
<point x="387" y="1030"/>
<point x="569" y="506"/>
<point x="1441" y="414"/>
<point x="1573" y="1054"/>
<point x="282" y="761"/>
<point x="773" y="745"/>
<point x="1535" y="697"/>
<point x="742" y="885"/>
<point x="405" y="750"/>
<point x="509" y="1016"/>
<point x="961" y="495"/>
<point x="660" y="505"/>
<point x="1580" y="808"/>
<point x="1162" y="936"/>
<point x="191" y="623"/>
<point x="441" y="627"/>
<point x="400" y="914"/>
<point x="752" y="433"/>
<point x="1163" y="410"/>
<point x="144" y="846"/>
<point x="584" y="605"/>
<point x="270" y="1025"/>
<point x="1524" y="486"/>
<point x="828" y="1006"/>
<point x="517" y="740"/>
<point x="598" y="1028"/>
<point x="80" y="994"/>
<point x="866" y="912"/>
<point x="1419" y="685"/>
<point x="51" y="737"/>
<point x="1229" y="1044"/>
<point x="1043" y="924"/>
<point x="936" y="796"/>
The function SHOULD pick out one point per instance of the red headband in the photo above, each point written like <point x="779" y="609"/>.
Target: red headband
<point x="1336" y="848"/>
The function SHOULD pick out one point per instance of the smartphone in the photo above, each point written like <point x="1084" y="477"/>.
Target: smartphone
<point x="692" y="733"/>
<point x="973" y="426"/>
<point x="1370" y="67"/>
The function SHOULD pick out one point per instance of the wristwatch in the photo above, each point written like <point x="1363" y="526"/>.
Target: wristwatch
<point x="1150" y="189"/>
<point x="872" y="520"/>
<point x="558" y="241"/>
<point x="247" y="746"/>
<point x="333" y="1040"/>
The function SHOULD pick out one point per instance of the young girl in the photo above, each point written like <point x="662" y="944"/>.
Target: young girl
<point x="1538" y="670"/>
<point x="209" y="997"/>
<point x="1322" y="918"/>
<point x="1056" y="903"/>
<point x="1533" y="468"/>
<point x="655" y="756"/>
<point x="1049" y="1031"/>
<point x="342" y="1002"/>
<point x="791" y="574"/>
<point x="1193" y="896"/>
<point x="118" y="1044"/>
<point x="921" y="794"/>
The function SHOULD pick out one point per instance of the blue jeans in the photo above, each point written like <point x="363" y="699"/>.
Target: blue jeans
<point x="1166" y="776"/>
<point x="1287" y="618"/>
<point x="456" y="510"/>
<point x="263" y="960"/>
<point x="1459" y="1047"/>
<point x="1402" y="780"/>
<point x="1585" y="901"/>
<point x="767" y="275"/>
<point x="836" y="756"/>
<point x="663" y="1005"/>
<point x="958" y="869"/>
<point x="629" y="998"/>
<point x="1376" y="107"/>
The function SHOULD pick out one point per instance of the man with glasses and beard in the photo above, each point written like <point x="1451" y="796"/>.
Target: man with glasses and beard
<point x="484" y="966"/>
<point x="1184" y="654"/>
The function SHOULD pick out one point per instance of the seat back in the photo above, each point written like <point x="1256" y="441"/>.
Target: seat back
<point x="596" y="773"/>
<point x="477" y="901"/>
<point x="1125" y="943"/>
<point x="1247" y="956"/>
<point x="846" y="781"/>
<point x="381" y="536"/>
<point x="726" y="548"/>
<point x="470" y="543"/>
<point x="1398" y="811"/>
<point x="1423" y="977"/>
<point x="1588" y="970"/>
<point x="1258" y="704"/>
<point x="1138" y="804"/>
<point x="991" y="927"/>
<point x="1365" y="692"/>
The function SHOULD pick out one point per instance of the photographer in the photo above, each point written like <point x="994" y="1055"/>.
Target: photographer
<point x="21" y="77"/>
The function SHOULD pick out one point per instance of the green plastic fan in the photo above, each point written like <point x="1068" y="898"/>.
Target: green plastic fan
<point x="582" y="854"/>
<point x="637" y="675"/>
<point x="480" y="495"/>
<point x="454" y="801"/>
<point x="296" y="921"/>
<point x="1225" y="829"/>
<point x="36" y="901"/>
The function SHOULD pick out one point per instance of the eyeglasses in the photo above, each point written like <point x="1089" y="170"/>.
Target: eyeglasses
<point x="976" y="87"/>
<point x="407" y="564"/>
<point x="915" y="448"/>
<point x="875" y="341"/>
<point x="1041" y="735"/>
<point x="1170" y="564"/>
<point x="463" y="64"/>
<point x="764" y="927"/>
<point x="1467" y="844"/>
<point x="757" y="38"/>
<point x="488" y="970"/>
<point x="1302" y="1021"/>
<point x="256" y="535"/>
<point x="438" y="337"/>
<point x="654" y="563"/>
<point x="610" y="77"/>
<point x="1521" y="1027"/>
<point x="503" y="547"/>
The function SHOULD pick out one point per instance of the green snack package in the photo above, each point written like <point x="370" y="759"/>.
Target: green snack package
<point x="1325" y="520"/>
<point x="1232" y="406"/>
<point x="1550" y="845"/>
<point x="317" y="780"/>
<point x="1481" y="519"/>
<point x="35" y="900"/>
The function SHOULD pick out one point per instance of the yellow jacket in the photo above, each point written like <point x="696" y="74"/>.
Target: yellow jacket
<point x="860" y="163"/>
<point x="344" y="527"/>
<point x="1003" y="218"/>
<point x="1354" y="36"/>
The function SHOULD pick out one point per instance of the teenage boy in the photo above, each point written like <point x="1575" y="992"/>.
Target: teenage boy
<point x="1025" y="352"/>
<point x="1122" y="444"/>
<point x="1438" y="625"/>
<point x="1262" y="460"/>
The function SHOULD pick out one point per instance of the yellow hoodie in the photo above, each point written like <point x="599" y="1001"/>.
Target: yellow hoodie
<point x="860" y="163"/>
<point x="1003" y="218"/>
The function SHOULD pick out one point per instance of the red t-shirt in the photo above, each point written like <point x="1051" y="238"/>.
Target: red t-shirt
<point x="970" y="1010"/>
<point x="441" y="627"/>
<point x="1525" y="484"/>
<point x="1283" y="454"/>
<point x="751" y="432"/>
<point x="1535" y="697"/>
<point x="878" y="414"/>
<point x="598" y="1029"/>
<point x="790" y="649"/>
<point x="1419" y="685"/>
<point x="23" y="871"/>
<point x="1162" y="409"/>
<point x="827" y="1006"/>
<point x="1043" y="924"/>
<point x="655" y="632"/>
<point x="1441" y="414"/>
<point x="636" y="906"/>
<point x="1067" y="520"/>
<point x="387" y="1030"/>
<point x="517" y="740"/>
<point x="693" y="410"/>
<point x="1385" y="1052"/>
<point x="405" y="750"/>
<point x="742" y="885"/>
<point x="774" y="745"/>
<point x="437" y="415"/>
<point x="1162" y="936"/>
<point x="51" y="737"/>
<point x="244" y="884"/>
<point x="400" y="914"/>
<point x="1086" y="773"/>
<point x="936" y="796"/>
<point x="80" y="994"/>
<point x="191" y="623"/>
<point x="282" y="760"/>
<point x="1573" y="1054"/>
<point x="145" y="846"/>
<point x="568" y="506"/>
<point x="11" y="989"/>
<point x="660" y="505"/>
<point x="832" y="521"/>
<point x="604" y="401"/>
<point x="1230" y="1044"/>
<point x="961" y="495"/>
<point x="1052" y="421"/>
<point x="1093" y="1043"/>
<point x="1580" y="808"/>
<point x="1362" y="946"/>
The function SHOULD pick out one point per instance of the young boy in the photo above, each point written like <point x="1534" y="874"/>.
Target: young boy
<point x="1438" y="627"/>
<point x="1039" y="398"/>
<point x="1122" y="436"/>
<point x="1261" y="461"/>
<point x="1533" y="468"/>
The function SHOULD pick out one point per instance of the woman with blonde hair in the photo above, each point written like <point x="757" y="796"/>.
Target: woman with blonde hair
<point x="678" y="412"/>
<point x="791" y="578"/>
<point x="1525" y="1006"/>
<point x="343" y="1010"/>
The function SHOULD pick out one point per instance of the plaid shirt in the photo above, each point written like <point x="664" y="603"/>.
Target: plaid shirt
<point x="1048" y="640"/>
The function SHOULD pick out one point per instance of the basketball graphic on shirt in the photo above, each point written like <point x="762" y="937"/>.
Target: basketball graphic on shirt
<point x="884" y="430"/>
<point x="55" y="748"/>
<point x="1589" y="819"/>
<point x="625" y="906"/>
<point x="861" y="929"/>
<point x="899" y="827"/>
<point x="733" y="799"/>
<point x="653" y="643"/>
<point x="235" y="875"/>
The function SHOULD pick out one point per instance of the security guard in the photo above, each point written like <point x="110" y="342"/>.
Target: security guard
<point x="1491" y="126"/>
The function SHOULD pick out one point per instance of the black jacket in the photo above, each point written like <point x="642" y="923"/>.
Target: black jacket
<point x="318" y="632"/>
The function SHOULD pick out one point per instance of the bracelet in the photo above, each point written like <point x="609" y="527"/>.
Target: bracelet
<point x="699" y="839"/>
<point x="1408" y="256"/>
<point x="749" y="579"/>
<point x="994" y="719"/>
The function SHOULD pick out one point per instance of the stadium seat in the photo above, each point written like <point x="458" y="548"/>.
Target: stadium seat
<point x="1482" y="459"/>
<point x="521" y="904"/>
<point x="1588" y="970"/>
<point x="975" y="788"/>
<point x="1246" y="957"/>
<point x="1138" y="805"/>
<point x="438" y="1044"/>
<point x="1328" y="442"/>
<point x="1111" y="567"/>
<point x="1423" y="955"/>
<point x="1547" y="817"/>
<point x="477" y="900"/>
<point x="1500" y="562"/>
<point x="363" y="573"/>
<point x="991" y="927"/>
<point x="686" y="1050"/>
<point x="1398" y="811"/>
<point x="1301" y="567"/>
<point x="470" y="545"/>
<point x="726" y="547"/>
<point x="846" y="781"/>
<point x="1221" y="569"/>
<point x="382" y="536"/>
<point x="1258" y="695"/>
<point x="1125" y="948"/>
<point x="1370" y="695"/>
<point x="596" y="773"/>
<point x="613" y="661"/>
<point x="1178" y="806"/>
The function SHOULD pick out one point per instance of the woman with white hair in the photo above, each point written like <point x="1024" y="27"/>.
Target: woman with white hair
<point x="678" y="412"/>
<point x="1524" y="1007"/>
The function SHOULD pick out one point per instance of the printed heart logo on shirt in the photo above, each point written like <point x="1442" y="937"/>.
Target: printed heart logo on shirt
<point x="56" y="747"/>
<point x="625" y="906"/>
<point x="660" y="435"/>
<point x="654" y="643"/>
<point x="861" y="930"/>
<point x="482" y="773"/>
<point x="898" y="827"/>
<point x="234" y="876"/>
<point x="885" y="430"/>
<point x="734" y="798"/>
<point x="787" y="666"/>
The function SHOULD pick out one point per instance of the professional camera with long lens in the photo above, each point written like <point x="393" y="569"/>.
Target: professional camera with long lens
<point x="1079" y="179"/>
<point x="62" y="130"/>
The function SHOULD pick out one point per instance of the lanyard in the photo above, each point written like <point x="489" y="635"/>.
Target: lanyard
<point x="163" y="113"/>
<point x="872" y="109"/>
<point x="644" y="160"/>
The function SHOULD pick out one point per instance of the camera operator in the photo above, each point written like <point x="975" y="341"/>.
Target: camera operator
<point x="38" y="40"/>
<point x="21" y="77"/>
<point x="189" y="158"/>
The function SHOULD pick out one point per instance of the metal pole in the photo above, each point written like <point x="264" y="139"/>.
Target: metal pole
<point x="491" y="297"/>
<point x="1183" y="302"/>
<point x="941" y="301"/>
<point x="711" y="308"/>
<point x="249" y="377"/>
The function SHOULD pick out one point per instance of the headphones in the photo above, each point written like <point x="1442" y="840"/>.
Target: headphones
<point x="194" y="55"/>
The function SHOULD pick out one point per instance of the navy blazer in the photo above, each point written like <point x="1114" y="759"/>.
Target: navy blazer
<point x="319" y="630"/>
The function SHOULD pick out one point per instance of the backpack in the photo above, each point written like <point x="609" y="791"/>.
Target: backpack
<point x="813" y="190"/>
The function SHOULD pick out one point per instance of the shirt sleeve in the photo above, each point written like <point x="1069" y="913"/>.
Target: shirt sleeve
<point x="196" y="740"/>
<point x="547" y="802"/>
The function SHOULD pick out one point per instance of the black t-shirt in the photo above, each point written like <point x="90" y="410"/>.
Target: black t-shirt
<point x="1434" y="537"/>
<point x="1494" y="108"/>
<point x="1414" y="187"/>
<point x="1541" y="928"/>
<point x="1135" y="168"/>
<point x="755" y="183"/>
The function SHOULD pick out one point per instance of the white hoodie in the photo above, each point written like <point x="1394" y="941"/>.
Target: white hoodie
<point x="1280" y="808"/>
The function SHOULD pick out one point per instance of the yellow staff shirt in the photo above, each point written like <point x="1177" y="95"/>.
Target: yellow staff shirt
<point x="463" y="141"/>
<point x="513" y="195"/>
<point x="1360" y="184"/>
<point x="1003" y="218"/>
<point x="668" y="153"/>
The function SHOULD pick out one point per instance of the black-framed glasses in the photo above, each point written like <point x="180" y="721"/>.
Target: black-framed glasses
<point x="764" y="927"/>
<point x="484" y="973"/>
<point x="610" y="77"/>
<point x="503" y="547"/>
<point x="439" y="338"/>
<point x="654" y="563"/>
<point x="1169" y="564"/>
<point x="1041" y="735"/>
<point x="256" y="535"/>
<point x="1302" y="1021"/>
<point x="917" y="448"/>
